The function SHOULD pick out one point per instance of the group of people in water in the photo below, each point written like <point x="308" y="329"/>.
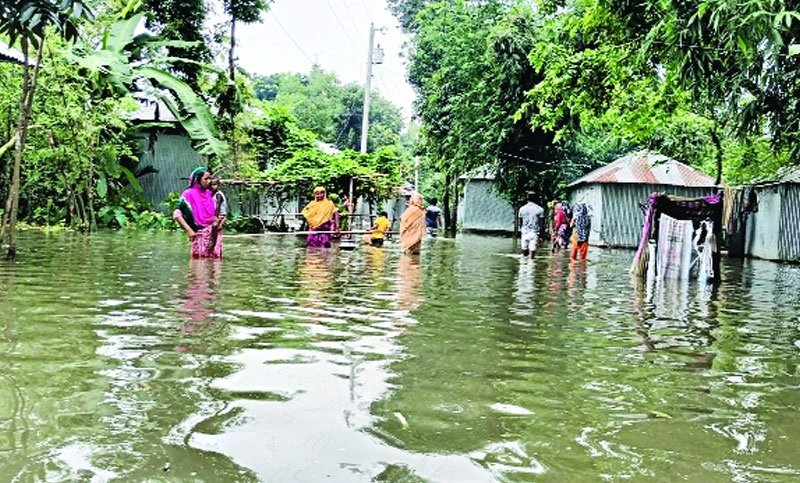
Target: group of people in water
<point x="322" y="217"/>
<point x="202" y="212"/>
<point x="570" y="227"/>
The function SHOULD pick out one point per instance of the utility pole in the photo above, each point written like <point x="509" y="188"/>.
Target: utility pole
<point x="373" y="57"/>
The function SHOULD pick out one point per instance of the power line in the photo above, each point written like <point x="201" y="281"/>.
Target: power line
<point x="292" y="38"/>
<point x="341" y="25"/>
<point x="349" y="14"/>
<point x="369" y="14"/>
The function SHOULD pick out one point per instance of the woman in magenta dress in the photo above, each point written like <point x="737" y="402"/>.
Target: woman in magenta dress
<point x="196" y="212"/>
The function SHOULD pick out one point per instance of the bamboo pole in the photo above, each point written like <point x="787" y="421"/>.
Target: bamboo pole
<point x="304" y="233"/>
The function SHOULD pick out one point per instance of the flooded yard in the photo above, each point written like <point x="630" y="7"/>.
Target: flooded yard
<point x="121" y="359"/>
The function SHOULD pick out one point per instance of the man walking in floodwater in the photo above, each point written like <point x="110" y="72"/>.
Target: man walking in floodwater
<point x="529" y="216"/>
<point x="433" y="218"/>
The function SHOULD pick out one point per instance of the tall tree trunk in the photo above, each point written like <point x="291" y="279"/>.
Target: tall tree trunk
<point x="231" y="53"/>
<point x="446" y="201"/>
<point x="25" y="108"/>
<point x="718" y="146"/>
<point x="454" y="220"/>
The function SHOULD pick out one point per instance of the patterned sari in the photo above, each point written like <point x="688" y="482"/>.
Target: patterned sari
<point x="198" y="208"/>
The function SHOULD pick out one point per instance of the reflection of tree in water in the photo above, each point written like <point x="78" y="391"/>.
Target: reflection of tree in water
<point x="96" y="388"/>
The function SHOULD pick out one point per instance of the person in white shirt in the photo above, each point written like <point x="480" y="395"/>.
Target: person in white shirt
<point x="529" y="219"/>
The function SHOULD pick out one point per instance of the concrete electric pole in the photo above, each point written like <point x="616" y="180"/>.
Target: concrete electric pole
<point x="373" y="57"/>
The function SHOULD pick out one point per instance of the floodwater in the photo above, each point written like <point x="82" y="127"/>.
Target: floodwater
<point x="121" y="359"/>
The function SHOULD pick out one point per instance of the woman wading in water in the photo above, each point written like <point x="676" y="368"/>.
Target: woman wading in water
<point x="196" y="214"/>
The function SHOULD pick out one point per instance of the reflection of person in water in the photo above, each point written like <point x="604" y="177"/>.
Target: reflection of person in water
<point x="203" y="279"/>
<point x="409" y="293"/>
<point x="316" y="273"/>
<point x="524" y="292"/>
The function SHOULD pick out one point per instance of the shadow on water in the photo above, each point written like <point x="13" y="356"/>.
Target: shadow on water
<point x="122" y="359"/>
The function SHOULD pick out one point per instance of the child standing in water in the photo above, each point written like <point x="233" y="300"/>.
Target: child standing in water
<point x="220" y="211"/>
<point x="378" y="232"/>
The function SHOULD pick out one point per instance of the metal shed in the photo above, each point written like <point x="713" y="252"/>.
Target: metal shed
<point x="616" y="192"/>
<point x="766" y="218"/>
<point x="481" y="209"/>
<point x="12" y="55"/>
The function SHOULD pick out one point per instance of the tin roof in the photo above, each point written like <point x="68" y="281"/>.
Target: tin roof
<point x="151" y="109"/>
<point x="10" y="54"/>
<point x="785" y="175"/>
<point x="647" y="168"/>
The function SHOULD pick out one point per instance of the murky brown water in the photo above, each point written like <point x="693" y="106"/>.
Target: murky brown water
<point x="122" y="360"/>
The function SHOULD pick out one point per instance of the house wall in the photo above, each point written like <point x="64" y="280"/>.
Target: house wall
<point x="174" y="158"/>
<point x="763" y="227"/>
<point x="482" y="210"/>
<point x="789" y="242"/>
<point x="616" y="213"/>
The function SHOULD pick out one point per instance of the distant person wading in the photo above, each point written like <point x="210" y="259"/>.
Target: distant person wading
<point x="529" y="216"/>
<point x="322" y="216"/>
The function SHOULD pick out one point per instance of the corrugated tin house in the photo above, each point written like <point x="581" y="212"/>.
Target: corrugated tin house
<point x="618" y="191"/>
<point x="480" y="209"/>
<point x="12" y="55"/>
<point x="165" y="147"/>
<point x="766" y="218"/>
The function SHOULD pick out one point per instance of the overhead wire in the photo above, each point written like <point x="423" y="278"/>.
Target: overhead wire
<point x="341" y="25"/>
<point x="292" y="38"/>
<point x="366" y="8"/>
<point x="352" y="20"/>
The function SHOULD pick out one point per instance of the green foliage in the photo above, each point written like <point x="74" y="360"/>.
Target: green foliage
<point x="332" y="111"/>
<point x="376" y="176"/>
<point x="28" y="19"/>
<point x="182" y="19"/>
<point x="112" y="62"/>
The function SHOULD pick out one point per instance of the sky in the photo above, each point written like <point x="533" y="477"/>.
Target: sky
<point x="295" y="34"/>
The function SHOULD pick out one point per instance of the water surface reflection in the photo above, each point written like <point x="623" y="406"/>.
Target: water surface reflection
<point x="121" y="359"/>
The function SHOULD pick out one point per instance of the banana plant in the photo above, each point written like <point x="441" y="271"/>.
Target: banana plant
<point x="114" y="62"/>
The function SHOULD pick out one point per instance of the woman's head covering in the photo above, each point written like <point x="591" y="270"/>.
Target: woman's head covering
<point x="412" y="222"/>
<point x="416" y="200"/>
<point x="197" y="175"/>
<point x="197" y="203"/>
<point x="319" y="212"/>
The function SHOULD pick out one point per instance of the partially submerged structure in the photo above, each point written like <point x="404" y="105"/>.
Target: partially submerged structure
<point x="677" y="230"/>
<point x="481" y="209"/>
<point x="166" y="148"/>
<point x="765" y="218"/>
<point x="618" y="192"/>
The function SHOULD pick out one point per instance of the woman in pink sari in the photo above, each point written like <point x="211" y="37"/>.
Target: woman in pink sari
<point x="196" y="213"/>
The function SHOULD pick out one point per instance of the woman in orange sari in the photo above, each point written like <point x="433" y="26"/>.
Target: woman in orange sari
<point x="321" y="215"/>
<point x="412" y="225"/>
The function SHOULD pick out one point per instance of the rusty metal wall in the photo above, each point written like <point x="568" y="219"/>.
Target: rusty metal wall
<point x="789" y="236"/>
<point x="174" y="158"/>
<point x="621" y="216"/>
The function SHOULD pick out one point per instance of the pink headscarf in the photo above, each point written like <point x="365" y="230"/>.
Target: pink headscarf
<point x="201" y="201"/>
